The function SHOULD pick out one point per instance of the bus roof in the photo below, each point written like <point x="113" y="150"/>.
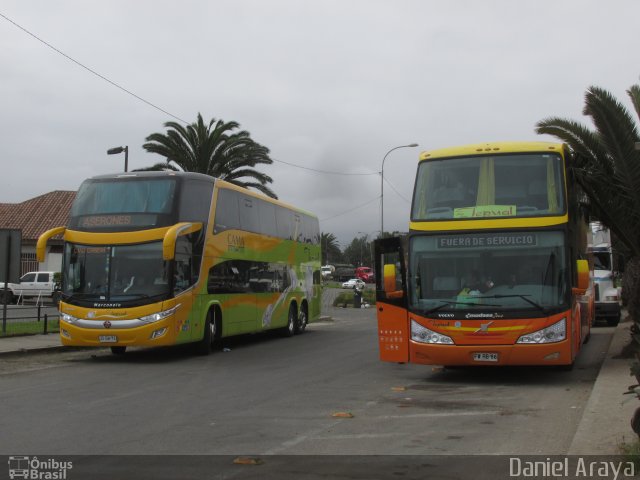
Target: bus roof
<point x="199" y="176"/>
<point x="164" y="173"/>
<point x="231" y="186"/>
<point x="493" y="147"/>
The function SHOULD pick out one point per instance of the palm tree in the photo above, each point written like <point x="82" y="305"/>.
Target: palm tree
<point x="606" y="165"/>
<point x="212" y="149"/>
<point x="330" y="248"/>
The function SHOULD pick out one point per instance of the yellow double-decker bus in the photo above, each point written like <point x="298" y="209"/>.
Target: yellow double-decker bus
<point x="494" y="270"/>
<point x="164" y="258"/>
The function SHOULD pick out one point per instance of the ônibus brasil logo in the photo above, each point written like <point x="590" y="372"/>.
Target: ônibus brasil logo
<point x="36" y="469"/>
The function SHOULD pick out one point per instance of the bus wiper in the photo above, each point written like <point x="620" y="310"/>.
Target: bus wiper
<point x="129" y="295"/>
<point x="446" y="303"/>
<point x="523" y="297"/>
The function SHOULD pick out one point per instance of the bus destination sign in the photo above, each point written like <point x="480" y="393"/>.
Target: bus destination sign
<point x="488" y="240"/>
<point x="115" y="221"/>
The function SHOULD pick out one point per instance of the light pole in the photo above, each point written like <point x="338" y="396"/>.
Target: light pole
<point x="117" y="150"/>
<point x="411" y="145"/>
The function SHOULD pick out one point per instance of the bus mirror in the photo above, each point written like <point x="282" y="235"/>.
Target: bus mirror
<point x="390" y="282"/>
<point x="583" y="277"/>
<point x="171" y="236"/>
<point x="41" y="246"/>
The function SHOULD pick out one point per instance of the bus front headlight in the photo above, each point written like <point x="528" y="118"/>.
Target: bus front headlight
<point x="156" y="317"/>
<point x="424" y="335"/>
<point x="68" y="318"/>
<point x="551" y="334"/>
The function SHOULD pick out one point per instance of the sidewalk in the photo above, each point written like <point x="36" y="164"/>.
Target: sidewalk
<point x="604" y="426"/>
<point x="605" y="423"/>
<point x="30" y="343"/>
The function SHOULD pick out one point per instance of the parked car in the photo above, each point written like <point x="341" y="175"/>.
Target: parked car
<point x="353" y="283"/>
<point x="32" y="284"/>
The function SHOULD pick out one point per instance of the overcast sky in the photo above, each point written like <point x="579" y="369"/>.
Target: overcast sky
<point x="329" y="85"/>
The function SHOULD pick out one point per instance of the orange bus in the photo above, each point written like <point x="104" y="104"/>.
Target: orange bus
<point x="494" y="269"/>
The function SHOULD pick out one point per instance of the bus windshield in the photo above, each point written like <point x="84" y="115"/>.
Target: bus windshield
<point x="503" y="270"/>
<point x="119" y="204"/>
<point x="518" y="185"/>
<point x="120" y="273"/>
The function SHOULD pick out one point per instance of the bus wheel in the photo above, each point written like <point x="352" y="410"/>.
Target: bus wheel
<point x="290" y="329"/>
<point x="301" y="323"/>
<point x="118" y="350"/>
<point x="203" y="347"/>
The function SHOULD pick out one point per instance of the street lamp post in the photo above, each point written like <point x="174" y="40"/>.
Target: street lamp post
<point x="117" y="150"/>
<point x="411" y="145"/>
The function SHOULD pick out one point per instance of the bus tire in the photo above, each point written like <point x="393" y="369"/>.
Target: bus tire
<point x="204" y="346"/>
<point x="118" y="350"/>
<point x="292" y="317"/>
<point x="302" y="319"/>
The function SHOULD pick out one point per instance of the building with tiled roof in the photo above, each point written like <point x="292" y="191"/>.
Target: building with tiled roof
<point x="33" y="217"/>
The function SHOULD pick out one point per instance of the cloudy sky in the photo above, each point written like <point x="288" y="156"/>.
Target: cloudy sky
<point x="326" y="85"/>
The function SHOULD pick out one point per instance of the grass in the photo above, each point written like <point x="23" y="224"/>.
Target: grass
<point x="29" y="327"/>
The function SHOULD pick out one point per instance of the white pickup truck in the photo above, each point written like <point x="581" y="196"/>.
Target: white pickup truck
<point x="32" y="285"/>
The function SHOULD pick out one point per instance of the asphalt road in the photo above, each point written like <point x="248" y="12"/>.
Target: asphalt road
<point x="266" y="395"/>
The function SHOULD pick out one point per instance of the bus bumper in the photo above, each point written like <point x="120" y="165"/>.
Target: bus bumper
<point x="491" y="355"/>
<point x="152" y="335"/>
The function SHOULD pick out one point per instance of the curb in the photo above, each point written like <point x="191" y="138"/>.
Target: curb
<point x="604" y="425"/>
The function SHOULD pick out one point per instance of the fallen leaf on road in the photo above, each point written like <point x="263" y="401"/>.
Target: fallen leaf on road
<point x="342" y="415"/>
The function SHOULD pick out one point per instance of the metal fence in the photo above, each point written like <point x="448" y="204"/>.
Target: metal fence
<point x="29" y="319"/>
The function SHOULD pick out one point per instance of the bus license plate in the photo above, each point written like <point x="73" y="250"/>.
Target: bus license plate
<point x="107" y="338"/>
<point x="485" y="357"/>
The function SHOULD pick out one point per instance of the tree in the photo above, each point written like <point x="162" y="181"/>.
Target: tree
<point x="358" y="252"/>
<point x="606" y="165"/>
<point x="330" y="248"/>
<point x="212" y="149"/>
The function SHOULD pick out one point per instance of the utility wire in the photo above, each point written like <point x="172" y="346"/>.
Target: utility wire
<point x="323" y="171"/>
<point x="148" y="102"/>
<point x="397" y="192"/>
<point x="153" y="105"/>
<point x="351" y="209"/>
<point x="92" y="71"/>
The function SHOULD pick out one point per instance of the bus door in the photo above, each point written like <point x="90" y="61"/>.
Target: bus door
<point x="391" y="300"/>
